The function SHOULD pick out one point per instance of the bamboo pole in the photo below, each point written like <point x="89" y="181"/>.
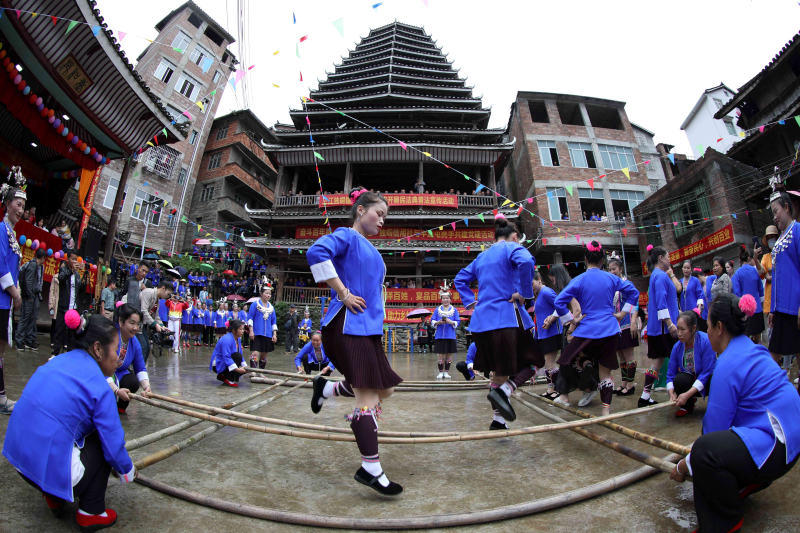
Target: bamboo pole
<point x="413" y="388"/>
<point x="297" y="375"/>
<point x="432" y="438"/>
<point x="637" y="435"/>
<point x="655" y="462"/>
<point x="162" y="454"/>
<point x="171" y="430"/>
<point x="414" y="522"/>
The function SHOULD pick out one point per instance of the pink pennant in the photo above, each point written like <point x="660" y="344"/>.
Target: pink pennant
<point x="303" y="38"/>
<point x="590" y="181"/>
<point x="453" y="225"/>
<point x="647" y="162"/>
<point x="403" y="145"/>
<point x="578" y="238"/>
<point x="301" y="76"/>
<point x="402" y="254"/>
<point x="674" y="223"/>
<point x="121" y="35"/>
<point x="239" y="75"/>
<point x="761" y="129"/>
<point x="308" y="121"/>
<point x="19" y="13"/>
<point x="250" y="67"/>
<point x="497" y="194"/>
<point x="529" y="200"/>
<point x="187" y="115"/>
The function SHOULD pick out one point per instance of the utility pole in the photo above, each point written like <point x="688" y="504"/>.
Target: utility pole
<point x="619" y="225"/>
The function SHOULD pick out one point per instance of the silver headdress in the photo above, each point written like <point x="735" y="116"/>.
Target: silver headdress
<point x="444" y="289"/>
<point x="15" y="184"/>
<point x="776" y="184"/>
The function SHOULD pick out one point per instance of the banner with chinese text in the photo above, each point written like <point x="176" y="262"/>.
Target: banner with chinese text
<point x="397" y="315"/>
<point x="704" y="245"/>
<point x="413" y="296"/>
<point x="397" y="200"/>
<point x="393" y="233"/>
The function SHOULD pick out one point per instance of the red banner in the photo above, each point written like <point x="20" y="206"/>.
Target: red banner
<point x="88" y="186"/>
<point x="394" y="233"/>
<point x="704" y="245"/>
<point x="397" y="315"/>
<point x="424" y="296"/>
<point x="394" y="200"/>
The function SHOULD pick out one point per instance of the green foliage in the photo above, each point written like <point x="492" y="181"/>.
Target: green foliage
<point x="191" y="264"/>
<point x="282" y="315"/>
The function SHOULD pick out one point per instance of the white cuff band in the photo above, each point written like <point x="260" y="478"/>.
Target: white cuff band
<point x="142" y="376"/>
<point x="627" y="308"/>
<point x="323" y="271"/>
<point x="127" y="478"/>
<point x="566" y="318"/>
<point x="663" y="314"/>
<point x="688" y="461"/>
<point x="6" y="281"/>
<point x="670" y="386"/>
<point x="274" y="328"/>
<point x="700" y="302"/>
<point x="232" y="367"/>
<point x="698" y="385"/>
<point x="250" y="322"/>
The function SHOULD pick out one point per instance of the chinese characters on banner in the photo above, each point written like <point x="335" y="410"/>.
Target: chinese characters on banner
<point x="704" y="245"/>
<point x="412" y="296"/>
<point x="51" y="266"/>
<point x="394" y="200"/>
<point x="393" y="233"/>
<point x="397" y="315"/>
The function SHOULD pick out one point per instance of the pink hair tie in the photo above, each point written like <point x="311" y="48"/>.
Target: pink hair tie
<point x="696" y="269"/>
<point x="593" y="248"/>
<point x="696" y="310"/>
<point x="649" y="247"/>
<point x="498" y="216"/>
<point x="72" y="319"/>
<point x="355" y="194"/>
<point x="748" y="305"/>
<point x="120" y="303"/>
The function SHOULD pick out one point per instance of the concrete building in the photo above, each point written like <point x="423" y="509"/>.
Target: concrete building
<point x="656" y="174"/>
<point x="563" y="141"/>
<point x="189" y="76"/>
<point x="234" y="171"/>
<point x="705" y="129"/>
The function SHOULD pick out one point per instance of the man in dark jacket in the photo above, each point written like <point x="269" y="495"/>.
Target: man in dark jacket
<point x="292" y="322"/>
<point x="30" y="281"/>
<point x="70" y="286"/>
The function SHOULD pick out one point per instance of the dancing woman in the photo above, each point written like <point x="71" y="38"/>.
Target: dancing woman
<point x="351" y="330"/>
<point x="597" y="333"/>
<point x="691" y="364"/>
<point x="501" y="326"/>
<point x="750" y="432"/>
<point x="630" y="324"/>
<point x="691" y="294"/>
<point x="445" y="320"/>
<point x="263" y="328"/>
<point x="548" y="337"/>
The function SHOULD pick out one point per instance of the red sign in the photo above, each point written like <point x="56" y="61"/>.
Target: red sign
<point x="394" y="233"/>
<point x="704" y="245"/>
<point x="92" y="178"/>
<point x="425" y="200"/>
<point x="413" y="296"/>
<point x="397" y="315"/>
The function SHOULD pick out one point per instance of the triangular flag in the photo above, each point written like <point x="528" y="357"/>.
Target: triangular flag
<point x="797" y="119"/>
<point x="297" y="49"/>
<point x="318" y="156"/>
<point x="276" y="85"/>
<point x="480" y="216"/>
<point x="239" y="75"/>
<point x="403" y="145"/>
<point x="375" y="6"/>
<point x="627" y="173"/>
<point x="339" y="25"/>
<point x="440" y="228"/>
<point x="625" y="232"/>
<point x="164" y="131"/>
<point x="733" y="215"/>
<point x="276" y="52"/>
<point x="781" y="122"/>
<point x="569" y="189"/>
<point x="544" y="241"/>
<point x="466" y="222"/>
<point x="402" y="254"/>
<point x="95" y="30"/>
<point x="529" y="200"/>
<point x="481" y="247"/>
<point x="674" y="223"/>
<point x="507" y="201"/>
<point x="720" y="139"/>
<point x="199" y="104"/>
<point x="590" y="181"/>
<point x="701" y="149"/>
<point x="430" y="233"/>
<point x="155" y="138"/>
<point x="691" y="222"/>
<point x="121" y="35"/>
<point x="453" y="225"/>
<point x="303" y="38"/>
<point x="468" y="249"/>
<point x="19" y="12"/>
<point x="294" y="19"/>
<point x="187" y="115"/>
<point x="54" y="19"/>
<point x="179" y="50"/>
<point x="150" y="144"/>
<point x="72" y="25"/>
<point x="427" y="154"/>
<point x="671" y="158"/>
<point x="480" y="187"/>
<point x="761" y="129"/>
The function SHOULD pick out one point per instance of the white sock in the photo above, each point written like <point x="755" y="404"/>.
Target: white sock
<point x="103" y="514"/>
<point x="506" y="387"/>
<point x="327" y="392"/>
<point x="374" y="468"/>
<point x="470" y="366"/>
<point x="645" y="395"/>
<point x="498" y="418"/>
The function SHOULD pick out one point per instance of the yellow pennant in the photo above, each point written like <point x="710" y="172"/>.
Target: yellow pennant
<point x="506" y="202"/>
<point x="627" y="173"/>
<point x="200" y="105"/>
<point x="427" y="154"/>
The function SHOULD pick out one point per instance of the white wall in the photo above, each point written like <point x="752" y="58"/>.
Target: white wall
<point x="704" y="129"/>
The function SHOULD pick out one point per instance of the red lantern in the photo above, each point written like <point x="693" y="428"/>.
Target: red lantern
<point x="70" y="135"/>
<point x="6" y="61"/>
<point x="43" y="112"/>
<point x="60" y="128"/>
<point x="51" y="113"/>
<point x="21" y="85"/>
<point x="92" y="151"/>
<point x="32" y="98"/>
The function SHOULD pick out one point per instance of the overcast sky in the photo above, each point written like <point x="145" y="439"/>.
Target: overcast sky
<point x="656" y="56"/>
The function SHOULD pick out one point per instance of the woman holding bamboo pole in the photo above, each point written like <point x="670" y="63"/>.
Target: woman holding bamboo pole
<point x="691" y="364"/>
<point x="750" y="432"/>
<point x="351" y="329"/>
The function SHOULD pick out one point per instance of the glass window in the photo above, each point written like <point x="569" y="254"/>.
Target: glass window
<point x="181" y="176"/>
<point x="164" y="71"/>
<point x="181" y="41"/>
<point x="193" y="137"/>
<point x="198" y="54"/>
<point x="718" y="103"/>
<point x="186" y="86"/>
<point x="729" y="126"/>
<point x="557" y="202"/>
<point x="222" y="132"/>
<point x="548" y="153"/>
<point x="207" y="193"/>
<point x="111" y="194"/>
<point x="692" y="206"/>
<point x="162" y="160"/>
<point x="217" y="76"/>
<point x="215" y="161"/>
<point x="581" y="155"/>
<point x="148" y="205"/>
<point x="617" y="157"/>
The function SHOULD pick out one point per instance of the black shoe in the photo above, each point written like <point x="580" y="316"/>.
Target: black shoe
<point x="646" y="403"/>
<point x="499" y="401"/>
<point x="552" y="395"/>
<point x="33" y="347"/>
<point x="318" y="386"/>
<point x="364" y="477"/>
<point x="461" y="366"/>
<point x="495" y="425"/>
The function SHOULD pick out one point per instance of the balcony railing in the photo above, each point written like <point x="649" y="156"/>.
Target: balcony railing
<point x="303" y="295"/>
<point x="464" y="201"/>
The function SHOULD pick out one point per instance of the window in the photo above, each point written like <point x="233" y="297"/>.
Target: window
<point x="548" y="153"/>
<point x="147" y="205"/>
<point x="162" y="161"/>
<point x="570" y="113"/>
<point x="207" y="193"/>
<point x="199" y="54"/>
<point x="213" y="36"/>
<point x="111" y="194"/>
<point x="195" y="20"/>
<point x="617" y="157"/>
<point x="729" y="125"/>
<point x="557" y="201"/>
<point x="718" y="103"/>
<point x="215" y="161"/>
<point x="193" y="137"/>
<point x="692" y="206"/>
<point x="224" y="57"/>
<point x="177" y="114"/>
<point x="222" y="132"/>
<point x="593" y="206"/>
<point x="187" y="86"/>
<point x="581" y="155"/>
<point x="604" y="117"/>
<point x="623" y="202"/>
<point x="653" y="237"/>
<point x="181" y="176"/>
<point x="181" y="41"/>
<point x="164" y="71"/>
<point x="538" y="111"/>
<point x="217" y="76"/>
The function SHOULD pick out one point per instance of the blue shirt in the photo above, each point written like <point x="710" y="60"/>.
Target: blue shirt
<point x="786" y="272"/>
<point x="691" y="295"/>
<point x="704" y="361"/>
<point x="306" y="324"/>
<point x="595" y="290"/>
<point x="65" y="400"/>
<point x="9" y="265"/>
<point x="662" y="302"/>
<point x="308" y="352"/>
<point x="709" y="282"/>
<point x="444" y="331"/>
<point x="261" y="319"/>
<point x="753" y="397"/>
<point x="471" y="351"/>
<point x="495" y="268"/>
<point x="163" y="312"/>
<point x="543" y="307"/>
<point x="208" y="317"/>
<point x="219" y="319"/>
<point x="221" y="357"/>
<point x="133" y="356"/>
<point x="747" y="281"/>
<point x="350" y="256"/>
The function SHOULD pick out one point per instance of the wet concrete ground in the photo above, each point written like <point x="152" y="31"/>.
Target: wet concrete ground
<point x="315" y="477"/>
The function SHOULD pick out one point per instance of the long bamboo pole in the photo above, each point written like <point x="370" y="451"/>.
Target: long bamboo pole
<point x="443" y="384"/>
<point x="171" y="430"/>
<point x="637" y="435"/>
<point x="435" y="438"/>
<point x="411" y="388"/>
<point x="506" y="512"/>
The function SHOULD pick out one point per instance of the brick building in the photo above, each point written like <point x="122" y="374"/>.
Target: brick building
<point x="187" y="70"/>
<point x="561" y="142"/>
<point x="234" y="171"/>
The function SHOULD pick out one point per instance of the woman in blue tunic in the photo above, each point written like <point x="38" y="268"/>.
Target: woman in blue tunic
<point x="548" y="332"/>
<point x="598" y="330"/>
<point x="691" y="364"/>
<point x="691" y="294"/>
<point x="10" y="254"/>
<point x="501" y="326"/>
<point x="263" y="328"/>
<point x="351" y="329"/>
<point x="662" y="313"/>
<point x="445" y="320"/>
<point x="312" y="358"/>
<point x="129" y="354"/>
<point x="629" y="324"/>
<point x="226" y="359"/>
<point x="750" y="432"/>
<point x="747" y="281"/>
<point x="71" y="455"/>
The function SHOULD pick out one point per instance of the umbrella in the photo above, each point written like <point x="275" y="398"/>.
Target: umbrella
<point x="202" y="242"/>
<point x="235" y="298"/>
<point x="218" y="243"/>
<point x="165" y="263"/>
<point x="150" y="256"/>
<point x="418" y="313"/>
<point x="182" y="271"/>
<point x="228" y="273"/>
<point x="466" y="313"/>
<point x="206" y="266"/>
<point x="173" y="272"/>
